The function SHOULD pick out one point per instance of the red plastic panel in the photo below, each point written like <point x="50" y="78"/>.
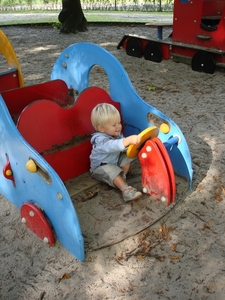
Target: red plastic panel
<point x="186" y="20"/>
<point x="36" y="221"/>
<point x="155" y="177"/>
<point x="70" y="162"/>
<point x="9" y="80"/>
<point x="7" y="171"/>
<point x="86" y="101"/>
<point x="213" y="7"/>
<point x="169" y="166"/>
<point x="165" y="51"/>
<point x="189" y="52"/>
<point x="55" y="90"/>
<point x="47" y="126"/>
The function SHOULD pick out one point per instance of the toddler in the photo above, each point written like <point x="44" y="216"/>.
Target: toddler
<point x="108" y="159"/>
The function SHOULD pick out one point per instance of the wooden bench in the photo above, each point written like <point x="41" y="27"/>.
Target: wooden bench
<point x="159" y="27"/>
<point x="62" y="135"/>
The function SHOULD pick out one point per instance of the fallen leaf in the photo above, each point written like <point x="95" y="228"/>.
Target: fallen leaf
<point x="91" y="194"/>
<point x="160" y="258"/>
<point x="144" y="243"/>
<point x="151" y="87"/>
<point x="223" y="189"/>
<point x="64" y="276"/>
<point x="174" y="247"/>
<point x="200" y="187"/>
<point x="139" y="256"/>
<point x="218" y="198"/>
<point x="164" y="231"/>
<point x="147" y="250"/>
<point x="208" y="226"/>
<point x="174" y="257"/>
<point x="209" y="288"/>
<point x="119" y="258"/>
<point x="133" y="287"/>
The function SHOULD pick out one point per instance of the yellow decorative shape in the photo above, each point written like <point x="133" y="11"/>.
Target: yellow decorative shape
<point x="8" y="173"/>
<point x="31" y="166"/>
<point x="147" y="134"/>
<point x="7" y="50"/>
<point x="164" y="128"/>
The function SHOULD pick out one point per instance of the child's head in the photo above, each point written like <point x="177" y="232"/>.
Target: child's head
<point x="102" y="114"/>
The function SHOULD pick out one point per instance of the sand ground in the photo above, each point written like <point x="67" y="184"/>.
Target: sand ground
<point x="186" y="254"/>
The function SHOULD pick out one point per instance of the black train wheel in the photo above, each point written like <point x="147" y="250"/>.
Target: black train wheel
<point x="133" y="47"/>
<point x="153" y="52"/>
<point x="203" y="62"/>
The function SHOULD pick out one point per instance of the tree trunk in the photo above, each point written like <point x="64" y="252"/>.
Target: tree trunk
<point x="72" y="17"/>
<point x="160" y="5"/>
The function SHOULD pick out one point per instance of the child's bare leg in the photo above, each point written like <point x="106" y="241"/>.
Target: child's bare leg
<point x="125" y="168"/>
<point x="119" y="182"/>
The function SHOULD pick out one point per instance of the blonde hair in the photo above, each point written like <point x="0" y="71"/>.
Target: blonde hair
<point x="102" y="113"/>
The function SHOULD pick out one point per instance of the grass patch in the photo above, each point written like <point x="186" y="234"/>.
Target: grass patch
<point x="92" y="16"/>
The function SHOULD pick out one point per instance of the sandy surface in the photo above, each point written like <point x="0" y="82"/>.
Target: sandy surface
<point x="183" y="255"/>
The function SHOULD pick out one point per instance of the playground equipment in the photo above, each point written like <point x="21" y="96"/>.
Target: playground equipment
<point x="12" y="77"/>
<point x="45" y="143"/>
<point x="198" y="35"/>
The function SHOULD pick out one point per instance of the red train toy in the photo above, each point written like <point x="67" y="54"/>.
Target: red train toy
<point x="198" y="36"/>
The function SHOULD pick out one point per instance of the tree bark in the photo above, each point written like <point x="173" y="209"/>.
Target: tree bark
<point x="72" y="17"/>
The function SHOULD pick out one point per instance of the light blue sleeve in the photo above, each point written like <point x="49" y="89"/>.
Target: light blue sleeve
<point x="109" y="144"/>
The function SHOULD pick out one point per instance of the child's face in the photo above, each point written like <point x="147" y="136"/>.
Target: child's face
<point x="112" y="127"/>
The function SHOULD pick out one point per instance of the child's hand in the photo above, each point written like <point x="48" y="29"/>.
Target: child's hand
<point x="131" y="140"/>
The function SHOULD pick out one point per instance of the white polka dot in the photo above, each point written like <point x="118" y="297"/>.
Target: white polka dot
<point x="145" y="190"/>
<point x="144" y="155"/>
<point x="163" y="199"/>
